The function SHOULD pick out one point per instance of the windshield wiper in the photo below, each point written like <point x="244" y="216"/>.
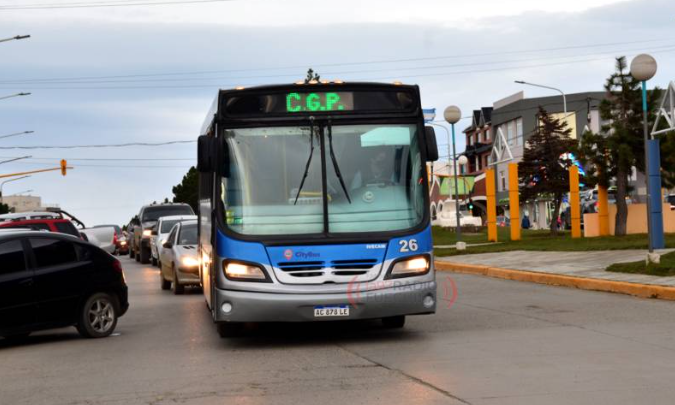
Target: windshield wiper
<point x="335" y="163"/>
<point x="309" y="161"/>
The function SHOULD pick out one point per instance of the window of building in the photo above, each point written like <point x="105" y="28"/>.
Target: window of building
<point x="519" y="131"/>
<point x="469" y="140"/>
<point x="511" y="135"/>
<point x="502" y="180"/>
<point x="479" y="137"/>
<point x="487" y="135"/>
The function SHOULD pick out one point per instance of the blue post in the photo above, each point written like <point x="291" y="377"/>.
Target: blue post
<point x="653" y="180"/>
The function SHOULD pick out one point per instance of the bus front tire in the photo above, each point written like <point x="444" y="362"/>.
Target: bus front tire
<point x="229" y="329"/>
<point x="394" y="322"/>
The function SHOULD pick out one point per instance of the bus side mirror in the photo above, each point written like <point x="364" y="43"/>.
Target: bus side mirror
<point x="205" y="154"/>
<point x="432" y="147"/>
<point x="223" y="160"/>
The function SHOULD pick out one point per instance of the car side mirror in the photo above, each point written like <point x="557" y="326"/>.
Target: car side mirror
<point x="432" y="147"/>
<point x="84" y="237"/>
<point x="154" y="232"/>
<point x="168" y="245"/>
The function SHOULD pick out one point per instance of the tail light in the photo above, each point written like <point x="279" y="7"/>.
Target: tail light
<point x="115" y="238"/>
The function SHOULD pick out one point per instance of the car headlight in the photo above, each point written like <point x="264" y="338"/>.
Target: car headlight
<point x="190" y="262"/>
<point x="147" y="232"/>
<point x="414" y="266"/>
<point x="244" y="272"/>
<point x="123" y="242"/>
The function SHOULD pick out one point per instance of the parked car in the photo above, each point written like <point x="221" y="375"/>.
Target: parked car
<point x="503" y="221"/>
<point x="160" y="232"/>
<point x="179" y="258"/>
<point x="119" y="240"/>
<point x="147" y="218"/>
<point x="103" y="237"/>
<point x="448" y="219"/>
<point x="671" y="200"/>
<point x="52" y="280"/>
<point x="46" y="221"/>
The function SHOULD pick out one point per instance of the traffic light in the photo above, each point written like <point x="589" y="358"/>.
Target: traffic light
<point x="471" y="206"/>
<point x="64" y="166"/>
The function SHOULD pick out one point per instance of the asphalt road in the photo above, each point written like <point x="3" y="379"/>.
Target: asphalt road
<point x="499" y="342"/>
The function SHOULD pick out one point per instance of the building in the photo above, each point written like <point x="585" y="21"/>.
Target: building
<point x="515" y="119"/>
<point x="479" y="137"/>
<point x="22" y="203"/>
<point x="442" y="189"/>
<point x="25" y="203"/>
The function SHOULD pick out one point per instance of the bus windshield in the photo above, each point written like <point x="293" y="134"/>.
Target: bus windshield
<point x="380" y="186"/>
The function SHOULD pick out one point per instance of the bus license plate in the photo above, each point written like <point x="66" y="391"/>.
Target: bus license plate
<point x="342" y="310"/>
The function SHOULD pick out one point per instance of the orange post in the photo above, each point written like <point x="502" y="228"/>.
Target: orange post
<point x="575" y="209"/>
<point x="603" y="211"/>
<point x="491" y="204"/>
<point x="514" y="201"/>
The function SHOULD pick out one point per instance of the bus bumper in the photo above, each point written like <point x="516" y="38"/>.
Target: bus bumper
<point x="404" y="299"/>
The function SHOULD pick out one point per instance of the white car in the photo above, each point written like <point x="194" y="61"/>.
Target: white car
<point x="179" y="260"/>
<point x="448" y="219"/>
<point x="160" y="234"/>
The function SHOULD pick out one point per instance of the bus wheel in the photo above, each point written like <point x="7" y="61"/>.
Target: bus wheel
<point x="394" y="322"/>
<point x="230" y="329"/>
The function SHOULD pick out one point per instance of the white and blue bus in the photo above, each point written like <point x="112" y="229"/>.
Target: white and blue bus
<point x="314" y="204"/>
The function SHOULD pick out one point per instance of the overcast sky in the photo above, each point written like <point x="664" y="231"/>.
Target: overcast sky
<point x="149" y="73"/>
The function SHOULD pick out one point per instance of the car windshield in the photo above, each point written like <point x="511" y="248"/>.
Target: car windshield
<point x="154" y="213"/>
<point x="167" y="225"/>
<point x="188" y="235"/>
<point x="671" y="199"/>
<point x="275" y="188"/>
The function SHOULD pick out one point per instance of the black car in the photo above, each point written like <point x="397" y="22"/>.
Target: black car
<point x="51" y="280"/>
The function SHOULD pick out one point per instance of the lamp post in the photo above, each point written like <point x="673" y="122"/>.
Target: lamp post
<point x="16" y="38"/>
<point x="7" y="181"/>
<point x="452" y="115"/>
<point x="15" y="95"/>
<point x="550" y="88"/>
<point x="642" y="68"/>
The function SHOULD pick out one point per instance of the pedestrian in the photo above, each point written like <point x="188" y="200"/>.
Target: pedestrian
<point x="525" y="223"/>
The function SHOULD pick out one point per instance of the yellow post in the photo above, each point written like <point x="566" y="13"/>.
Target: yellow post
<point x="575" y="209"/>
<point x="603" y="211"/>
<point x="491" y="205"/>
<point x="514" y="201"/>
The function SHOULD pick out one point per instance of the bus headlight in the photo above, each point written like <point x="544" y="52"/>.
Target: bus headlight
<point x="414" y="266"/>
<point x="244" y="272"/>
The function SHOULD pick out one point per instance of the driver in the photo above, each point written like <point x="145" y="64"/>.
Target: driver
<point x="377" y="172"/>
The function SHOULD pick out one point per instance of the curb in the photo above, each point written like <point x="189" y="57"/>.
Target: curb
<point x="582" y="283"/>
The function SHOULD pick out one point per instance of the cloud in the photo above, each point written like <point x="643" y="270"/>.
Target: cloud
<point x="269" y="42"/>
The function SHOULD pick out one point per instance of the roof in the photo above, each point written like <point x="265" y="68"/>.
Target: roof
<point x="172" y="217"/>
<point x="26" y="216"/>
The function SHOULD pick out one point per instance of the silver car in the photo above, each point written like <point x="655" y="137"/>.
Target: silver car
<point x="179" y="258"/>
<point x="160" y="233"/>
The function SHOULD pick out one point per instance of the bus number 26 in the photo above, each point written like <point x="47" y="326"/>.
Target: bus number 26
<point x="408" y="245"/>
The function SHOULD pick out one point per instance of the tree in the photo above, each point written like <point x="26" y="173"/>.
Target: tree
<point x="4" y="208"/>
<point x="620" y="146"/>
<point x="187" y="191"/>
<point x="544" y="169"/>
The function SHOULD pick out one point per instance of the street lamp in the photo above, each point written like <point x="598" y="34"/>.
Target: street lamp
<point x="16" y="134"/>
<point x="15" y="38"/>
<point x="15" y="95"/>
<point x="7" y="181"/>
<point x="452" y="115"/>
<point x="643" y="68"/>
<point x="550" y="88"/>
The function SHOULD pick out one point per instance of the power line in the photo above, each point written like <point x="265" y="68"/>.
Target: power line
<point x="381" y="61"/>
<point x="8" y="7"/>
<point x="119" y="145"/>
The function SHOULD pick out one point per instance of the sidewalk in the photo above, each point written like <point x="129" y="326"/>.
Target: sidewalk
<point x="585" y="270"/>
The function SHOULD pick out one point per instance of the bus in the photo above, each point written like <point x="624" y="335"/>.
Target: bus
<point x="314" y="204"/>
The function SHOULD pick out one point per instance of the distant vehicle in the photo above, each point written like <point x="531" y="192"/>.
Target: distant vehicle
<point x="51" y="280"/>
<point x="179" y="258"/>
<point x="46" y="221"/>
<point x="503" y="221"/>
<point x="671" y="199"/>
<point x="160" y="232"/>
<point x="448" y="219"/>
<point x="119" y="240"/>
<point x="142" y="227"/>
<point x="103" y="237"/>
